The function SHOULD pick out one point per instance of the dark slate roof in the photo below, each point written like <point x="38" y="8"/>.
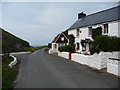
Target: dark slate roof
<point x="65" y="33"/>
<point x="55" y="38"/>
<point x="108" y="15"/>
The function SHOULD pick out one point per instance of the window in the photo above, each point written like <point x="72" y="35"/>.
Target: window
<point x="62" y="44"/>
<point x="78" y="47"/>
<point x="83" y="45"/>
<point x="62" y="39"/>
<point x="84" y="48"/>
<point x="77" y="32"/>
<point x="90" y="31"/>
<point x="105" y="28"/>
<point x="55" y="45"/>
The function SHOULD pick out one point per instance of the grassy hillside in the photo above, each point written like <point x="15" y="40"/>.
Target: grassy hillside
<point x="11" y="42"/>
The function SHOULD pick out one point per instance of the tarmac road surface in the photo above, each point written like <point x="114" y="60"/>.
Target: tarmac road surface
<point x="41" y="70"/>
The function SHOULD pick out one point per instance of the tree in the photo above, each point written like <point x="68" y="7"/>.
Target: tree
<point x="71" y="40"/>
<point x="96" y="32"/>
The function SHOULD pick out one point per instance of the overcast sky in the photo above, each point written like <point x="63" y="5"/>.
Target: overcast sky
<point x="40" y="22"/>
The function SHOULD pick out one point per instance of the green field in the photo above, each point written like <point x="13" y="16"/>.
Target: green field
<point x="32" y="49"/>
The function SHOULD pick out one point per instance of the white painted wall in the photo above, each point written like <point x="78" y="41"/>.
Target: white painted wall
<point x="80" y="58"/>
<point x="64" y="54"/>
<point x="113" y="66"/>
<point x="98" y="61"/>
<point x="74" y="32"/>
<point x="14" y="62"/>
<point x="112" y="31"/>
<point x="84" y="33"/>
<point x="53" y="49"/>
<point x="113" y="28"/>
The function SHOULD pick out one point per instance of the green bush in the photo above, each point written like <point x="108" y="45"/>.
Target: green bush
<point x="106" y="44"/>
<point x="67" y="48"/>
<point x="71" y="39"/>
<point x="96" y="32"/>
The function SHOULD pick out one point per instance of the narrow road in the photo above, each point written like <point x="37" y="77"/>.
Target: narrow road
<point x="41" y="70"/>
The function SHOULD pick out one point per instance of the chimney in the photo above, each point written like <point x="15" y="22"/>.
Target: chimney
<point x="81" y="15"/>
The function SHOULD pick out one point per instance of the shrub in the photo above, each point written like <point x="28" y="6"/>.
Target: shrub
<point x="96" y="32"/>
<point x="105" y="43"/>
<point x="67" y="48"/>
<point x="71" y="39"/>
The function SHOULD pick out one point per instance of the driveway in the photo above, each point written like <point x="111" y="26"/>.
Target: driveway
<point x="41" y="70"/>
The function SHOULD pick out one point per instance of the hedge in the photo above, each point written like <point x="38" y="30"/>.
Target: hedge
<point x="96" y="32"/>
<point x="67" y="48"/>
<point x="106" y="44"/>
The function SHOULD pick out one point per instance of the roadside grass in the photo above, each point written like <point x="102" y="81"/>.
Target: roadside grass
<point x="40" y="47"/>
<point x="31" y="49"/>
<point x="8" y="74"/>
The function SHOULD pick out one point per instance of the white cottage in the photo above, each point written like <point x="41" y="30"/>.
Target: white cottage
<point x="60" y="40"/>
<point x="108" y="20"/>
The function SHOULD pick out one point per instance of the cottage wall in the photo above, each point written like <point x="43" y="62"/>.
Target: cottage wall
<point x="113" y="28"/>
<point x="84" y="33"/>
<point x="54" y="49"/>
<point x="98" y="61"/>
<point x="74" y="32"/>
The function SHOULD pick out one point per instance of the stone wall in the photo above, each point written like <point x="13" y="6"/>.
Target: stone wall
<point x="64" y="54"/>
<point x="98" y="61"/>
<point x="52" y="51"/>
<point x="113" y="66"/>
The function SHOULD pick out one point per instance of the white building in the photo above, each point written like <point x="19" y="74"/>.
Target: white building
<point x="108" y="20"/>
<point x="60" y="40"/>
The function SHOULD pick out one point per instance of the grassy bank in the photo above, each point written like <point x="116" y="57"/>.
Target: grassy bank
<point x="8" y="74"/>
<point x="32" y="49"/>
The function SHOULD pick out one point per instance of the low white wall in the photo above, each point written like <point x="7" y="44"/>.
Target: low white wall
<point x="79" y="58"/>
<point x="64" y="54"/>
<point x="52" y="51"/>
<point x="113" y="66"/>
<point x="92" y="61"/>
<point x="113" y="69"/>
<point x="14" y="62"/>
<point x="98" y="61"/>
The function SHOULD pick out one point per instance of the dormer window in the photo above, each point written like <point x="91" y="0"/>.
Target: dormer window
<point x="77" y="32"/>
<point x="105" y="28"/>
